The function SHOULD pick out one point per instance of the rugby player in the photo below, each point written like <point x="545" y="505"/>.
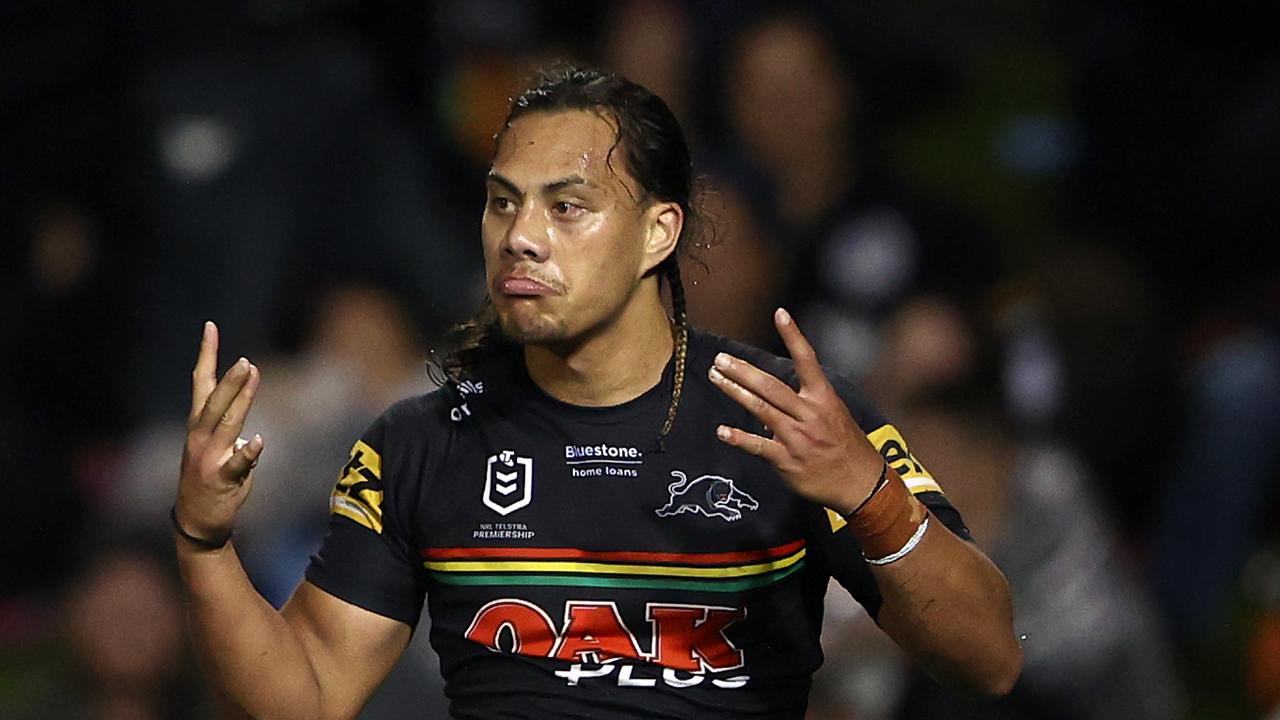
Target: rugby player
<point x="607" y="512"/>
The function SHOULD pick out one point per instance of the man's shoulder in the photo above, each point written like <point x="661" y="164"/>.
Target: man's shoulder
<point x="423" y="409"/>
<point x="705" y="345"/>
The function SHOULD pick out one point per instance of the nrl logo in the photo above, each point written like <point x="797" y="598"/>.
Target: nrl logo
<point x="508" y="482"/>
<point x="709" y="495"/>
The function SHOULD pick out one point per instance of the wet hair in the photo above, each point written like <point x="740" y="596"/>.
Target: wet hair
<point x="656" y="156"/>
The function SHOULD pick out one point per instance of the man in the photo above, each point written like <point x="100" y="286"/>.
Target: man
<point x="609" y="514"/>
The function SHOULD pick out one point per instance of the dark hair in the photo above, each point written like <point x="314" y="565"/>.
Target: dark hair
<point x="656" y="155"/>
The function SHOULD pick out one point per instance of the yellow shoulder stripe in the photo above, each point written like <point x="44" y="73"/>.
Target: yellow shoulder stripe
<point x="358" y="494"/>
<point x="363" y="456"/>
<point x="890" y="443"/>
<point x="836" y="519"/>
<point x="894" y="448"/>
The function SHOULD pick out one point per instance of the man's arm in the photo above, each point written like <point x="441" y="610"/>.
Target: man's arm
<point x="949" y="608"/>
<point x="944" y="602"/>
<point x="319" y="657"/>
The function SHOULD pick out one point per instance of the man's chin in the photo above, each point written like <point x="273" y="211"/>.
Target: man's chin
<point x="531" y="331"/>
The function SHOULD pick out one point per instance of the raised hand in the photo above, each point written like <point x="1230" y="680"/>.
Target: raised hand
<point x="216" y="470"/>
<point x="816" y="445"/>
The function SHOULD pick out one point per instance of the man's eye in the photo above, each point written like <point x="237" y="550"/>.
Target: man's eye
<point x="566" y="208"/>
<point x="501" y="204"/>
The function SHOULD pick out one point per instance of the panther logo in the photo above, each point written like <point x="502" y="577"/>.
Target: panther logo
<point x="711" y="495"/>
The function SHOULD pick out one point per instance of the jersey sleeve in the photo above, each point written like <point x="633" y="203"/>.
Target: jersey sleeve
<point x="367" y="557"/>
<point x="836" y="546"/>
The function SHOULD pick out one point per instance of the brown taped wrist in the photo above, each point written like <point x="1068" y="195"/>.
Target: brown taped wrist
<point x="887" y="520"/>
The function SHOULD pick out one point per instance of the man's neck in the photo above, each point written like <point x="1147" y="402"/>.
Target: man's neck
<point x="611" y="367"/>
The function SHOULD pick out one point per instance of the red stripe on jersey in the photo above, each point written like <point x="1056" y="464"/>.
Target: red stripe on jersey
<point x="614" y="556"/>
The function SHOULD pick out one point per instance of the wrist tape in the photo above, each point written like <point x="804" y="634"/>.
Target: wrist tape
<point x="888" y="521"/>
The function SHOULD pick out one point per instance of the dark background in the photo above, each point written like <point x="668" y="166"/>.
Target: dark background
<point x="1031" y="230"/>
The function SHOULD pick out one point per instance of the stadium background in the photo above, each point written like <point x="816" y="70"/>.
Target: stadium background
<point x="1042" y="234"/>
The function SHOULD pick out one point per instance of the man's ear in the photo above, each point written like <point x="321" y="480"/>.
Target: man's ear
<point x="663" y="223"/>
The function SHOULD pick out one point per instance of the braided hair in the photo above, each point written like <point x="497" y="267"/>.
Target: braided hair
<point x="680" y="321"/>
<point x="657" y="156"/>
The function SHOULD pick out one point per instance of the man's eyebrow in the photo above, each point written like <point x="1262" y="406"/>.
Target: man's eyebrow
<point x="495" y="177"/>
<point x="551" y="187"/>
<point x="565" y="182"/>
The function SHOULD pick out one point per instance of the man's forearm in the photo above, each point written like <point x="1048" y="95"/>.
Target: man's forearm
<point x="949" y="608"/>
<point x="252" y="654"/>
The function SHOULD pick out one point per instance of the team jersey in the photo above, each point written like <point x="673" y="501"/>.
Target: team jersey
<point x="574" y="568"/>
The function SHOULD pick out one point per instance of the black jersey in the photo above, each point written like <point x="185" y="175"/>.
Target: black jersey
<point x="572" y="568"/>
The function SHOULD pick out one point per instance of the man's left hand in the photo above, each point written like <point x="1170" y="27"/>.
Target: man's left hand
<point x="816" y="445"/>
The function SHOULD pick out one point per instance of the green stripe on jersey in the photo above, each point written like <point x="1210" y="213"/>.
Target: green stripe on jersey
<point x="731" y="585"/>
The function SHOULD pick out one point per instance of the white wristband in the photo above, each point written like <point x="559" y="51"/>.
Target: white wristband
<point x="906" y="549"/>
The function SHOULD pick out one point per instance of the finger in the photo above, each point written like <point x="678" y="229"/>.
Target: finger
<point x="232" y="421"/>
<point x="807" y="367"/>
<point x="222" y="395"/>
<point x="763" y="447"/>
<point x="771" y="389"/>
<point x="205" y="375"/>
<point x="241" y="463"/>
<point x="754" y="404"/>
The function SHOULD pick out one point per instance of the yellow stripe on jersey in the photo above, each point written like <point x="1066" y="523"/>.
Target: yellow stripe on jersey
<point x="358" y="494"/>
<point x="890" y="443"/>
<point x="365" y="457"/>
<point x="836" y="519"/>
<point x="356" y="510"/>
<point x="553" y="566"/>
<point x="893" y="447"/>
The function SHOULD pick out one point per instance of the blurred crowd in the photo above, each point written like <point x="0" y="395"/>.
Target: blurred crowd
<point x="1036" y="233"/>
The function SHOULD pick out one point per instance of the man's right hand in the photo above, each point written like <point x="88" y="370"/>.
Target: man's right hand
<point x="216" y="475"/>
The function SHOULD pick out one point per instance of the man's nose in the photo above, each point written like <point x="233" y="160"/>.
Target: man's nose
<point x="527" y="236"/>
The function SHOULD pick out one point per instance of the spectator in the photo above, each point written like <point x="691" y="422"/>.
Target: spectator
<point x="1092" y="648"/>
<point x="859" y="245"/>
<point x="125" y="655"/>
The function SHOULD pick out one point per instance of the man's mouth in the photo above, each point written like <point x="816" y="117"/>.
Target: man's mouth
<point x="523" y="286"/>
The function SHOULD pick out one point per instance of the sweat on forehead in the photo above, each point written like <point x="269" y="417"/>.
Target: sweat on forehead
<point x="542" y="147"/>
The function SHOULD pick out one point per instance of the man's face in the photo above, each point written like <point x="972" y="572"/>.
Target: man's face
<point x="564" y="233"/>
